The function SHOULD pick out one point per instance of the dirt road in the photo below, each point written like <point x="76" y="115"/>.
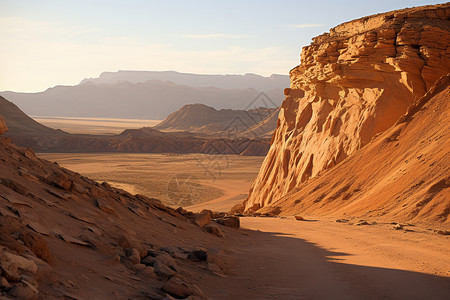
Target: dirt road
<point x="322" y="259"/>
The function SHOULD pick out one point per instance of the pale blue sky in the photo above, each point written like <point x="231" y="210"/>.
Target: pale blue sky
<point x="59" y="42"/>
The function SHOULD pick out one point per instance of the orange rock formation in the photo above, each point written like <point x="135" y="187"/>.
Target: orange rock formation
<point x="352" y="84"/>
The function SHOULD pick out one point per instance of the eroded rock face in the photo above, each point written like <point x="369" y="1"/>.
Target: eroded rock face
<point x="353" y="83"/>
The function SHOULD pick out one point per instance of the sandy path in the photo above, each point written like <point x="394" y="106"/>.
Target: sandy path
<point x="288" y="259"/>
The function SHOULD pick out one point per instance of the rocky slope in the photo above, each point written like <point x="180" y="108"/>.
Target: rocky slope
<point x="64" y="236"/>
<point x="19" y="123"/>
<point x="352" y="84"/>
<point x="200" y="118"/>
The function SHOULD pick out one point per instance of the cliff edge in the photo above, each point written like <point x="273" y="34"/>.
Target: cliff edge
<point x="353" y="83"/>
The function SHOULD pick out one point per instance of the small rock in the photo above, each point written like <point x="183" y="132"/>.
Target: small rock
<point x="38" y="227"/>
<point x="398" y="226"/>
<point x="182" y="211"/>
<point x="202" y="219"/>
<point x="231" y="221"/>
<point x="148" y="260"/>
<point x="139" y="267"/>
<point x="167" y="260"/>
<point x="198" y="255"/>
<point x="362" y="222"/>
<point x="299" y="218"/>
<point x="15" y="186"/>
<point x="30" y="282"/>
<point x="148" y="273"/>
<point x="162" y="270"/>
<point x="79" y="188"/>
<point x="442" y="232"/>
<point x="62" y="181"/>
<point x="4" y="284"/>
<point x="69" y="239"/>
<point x="213" y="229"/>
<point x="10" y="271"/>
<point x="21" y="262"/>
<point x="180" y="289"/>
<point x="253" y="208"/>
<point x="168" y="297"/>
<point x="175" y="252"/>
<point x="155" y="295"/>
<point x="133" y="255"/>
<point x="237" y="209"/>
<point x="215" y="269"/>
<point x="105" y="207"/>
<point x="207" y="211"/>
<point x="342" y="221"/>
<point x="23" y="291"/>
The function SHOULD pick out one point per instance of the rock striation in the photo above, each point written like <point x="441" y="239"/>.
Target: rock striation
<point x="401" y="175"/>
<point x="352" y="84"/>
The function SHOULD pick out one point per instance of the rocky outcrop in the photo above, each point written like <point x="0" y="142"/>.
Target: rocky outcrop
<point x="352" y="84"/>
<point x="401" y="175"/>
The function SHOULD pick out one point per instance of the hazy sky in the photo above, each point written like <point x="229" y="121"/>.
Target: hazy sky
<point x="59" y="42"/>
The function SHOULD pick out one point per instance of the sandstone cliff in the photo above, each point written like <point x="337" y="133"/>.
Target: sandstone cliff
<point x="401" y="175"/>
<point x="353" y="83"/>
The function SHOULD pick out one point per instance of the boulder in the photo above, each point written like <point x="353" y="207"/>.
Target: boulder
<point x="202" y="219"/>
<point x="231" y="221"/>
<point x="163" y="270"/>
<point x="213" y="229"/>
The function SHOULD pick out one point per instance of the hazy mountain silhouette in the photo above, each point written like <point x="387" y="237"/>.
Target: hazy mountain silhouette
<point x="254" y="81"/>
<point x="122" y="95"/>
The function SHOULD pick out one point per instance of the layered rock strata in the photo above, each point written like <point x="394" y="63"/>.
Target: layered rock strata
<point x="352" y="84"/>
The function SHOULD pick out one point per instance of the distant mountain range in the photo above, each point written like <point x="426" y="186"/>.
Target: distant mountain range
<point x="246" y="81"/>
<point x="151" y="95"/>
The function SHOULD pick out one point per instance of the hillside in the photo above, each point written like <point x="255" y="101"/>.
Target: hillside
<point x="200" y="118"/>
<point x="19" y="123"/>
<point x="66" y="236"/>
<point x="152" y="99"/>
<point x="353" y="83"/>
<point x="26" y="132"/>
